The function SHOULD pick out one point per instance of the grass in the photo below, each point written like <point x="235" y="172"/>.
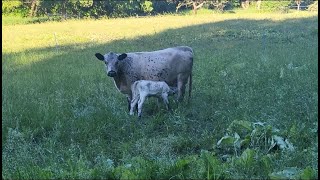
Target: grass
<point x="62" y="117"/>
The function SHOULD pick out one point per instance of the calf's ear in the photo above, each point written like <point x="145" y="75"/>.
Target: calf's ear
<point x="122" y="56"/>
<point x="99" y="56"/>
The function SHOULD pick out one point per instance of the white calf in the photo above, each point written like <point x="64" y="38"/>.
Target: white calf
<point x="144" y="88"/>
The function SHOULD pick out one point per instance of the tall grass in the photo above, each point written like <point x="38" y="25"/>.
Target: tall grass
<point x="62" y="117"/>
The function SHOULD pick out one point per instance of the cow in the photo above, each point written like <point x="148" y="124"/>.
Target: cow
<point x="142" y="89"/>
<point x="171" y="65"/>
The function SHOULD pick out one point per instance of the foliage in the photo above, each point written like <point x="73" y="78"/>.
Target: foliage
<point x="10" y="6"/>
<point x="147" y="7"/>
<point x="161" y="7"/>
<point x="88" y="8"/>
<point x="308" y="173"/>
<point x="294" y="173"/>
<point x="14" y="7"/>
<point x="66" y="9"/>
<point x="274" y="5"/>
<point x="252" y="135"/>
<point x="85" y="3"/>
<point x="313" y="6"/>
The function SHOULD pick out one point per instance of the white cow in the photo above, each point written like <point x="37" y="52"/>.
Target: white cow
<point x="141" y="89"/>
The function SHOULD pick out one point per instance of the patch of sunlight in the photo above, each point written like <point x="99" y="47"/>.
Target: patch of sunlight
<point x="17" y="38"/>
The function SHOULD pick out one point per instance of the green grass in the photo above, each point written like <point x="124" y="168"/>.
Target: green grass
<point x="62" y="117"/>
<point x="17" y="19"/>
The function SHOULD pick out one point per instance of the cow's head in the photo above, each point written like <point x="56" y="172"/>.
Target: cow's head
<point x="111" y="61"/>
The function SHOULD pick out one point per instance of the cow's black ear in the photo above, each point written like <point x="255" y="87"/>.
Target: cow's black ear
<point x="99" y="56"/>
<point x="122" y="56"/>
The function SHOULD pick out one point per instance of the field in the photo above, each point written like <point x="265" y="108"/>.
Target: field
<point x="62" y="117"/>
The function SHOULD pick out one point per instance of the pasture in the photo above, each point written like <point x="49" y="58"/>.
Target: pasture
<point x="62" y="117"/>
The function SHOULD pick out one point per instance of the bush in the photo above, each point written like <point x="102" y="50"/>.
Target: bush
<point x="313" y="6"/>
<point x="10" y="6"/>
<point x="274" y="5"/>
<point x="14" y="8"/>
<point x="147" y="7"/>
<point x="163" y="7"/>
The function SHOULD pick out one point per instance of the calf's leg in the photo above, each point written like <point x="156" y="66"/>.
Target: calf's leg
<point x="165" y="100"/>
<point x="158" y="101"/>
<point x="140" y="103"/>
<point x="134" y="102"/>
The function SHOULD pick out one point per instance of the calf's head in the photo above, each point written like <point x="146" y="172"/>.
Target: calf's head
<point x="111" y="61"/>
<point x="173" y="90"/>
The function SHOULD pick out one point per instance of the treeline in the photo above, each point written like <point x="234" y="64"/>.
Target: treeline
<point x="86" y="8"/>
<point x="125" y="8"/>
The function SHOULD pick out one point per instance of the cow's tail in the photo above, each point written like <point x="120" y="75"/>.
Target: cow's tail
<point x="190" y="78"/>
<point x="190" y="85"/>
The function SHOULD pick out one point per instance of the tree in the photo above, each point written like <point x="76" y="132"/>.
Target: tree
<point x="258" y="4"/>
<point x="219" y="5"/>
<point x="34" y="8"/>
<point x="245" y="4"/>
<point x="298" y="2"/>
<point x="11" y="6"/>
<point x="196" y="4"/>
<point x="146" y="6"/>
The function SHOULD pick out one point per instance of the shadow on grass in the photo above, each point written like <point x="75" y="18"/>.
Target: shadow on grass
<point x="236" y="76"/>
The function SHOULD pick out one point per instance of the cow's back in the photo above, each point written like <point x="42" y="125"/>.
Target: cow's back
<point x="161" y="65"/>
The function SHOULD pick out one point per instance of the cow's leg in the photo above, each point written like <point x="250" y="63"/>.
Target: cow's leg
<point x="181" y="85"/>
<point x="181" y="90"/>
<point x="134" y="102"/>
<point x="140" y="103"/>
<point x="129" y="102"/>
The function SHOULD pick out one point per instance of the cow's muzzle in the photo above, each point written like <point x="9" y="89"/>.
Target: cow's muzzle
<point x="112" y="74"/>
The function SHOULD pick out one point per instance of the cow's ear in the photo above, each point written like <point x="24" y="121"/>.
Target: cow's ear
<point x="122" y="56"/>
<point x="99" y="56"/>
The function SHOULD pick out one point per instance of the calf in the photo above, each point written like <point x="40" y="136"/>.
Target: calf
<point x="144" y="88"/>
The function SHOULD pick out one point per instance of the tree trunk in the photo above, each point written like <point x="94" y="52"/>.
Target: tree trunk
<point x="194" y="5"/>
<point x="258" y="4"/>
<point x="33" y="8"/>
<point x="64" y="10"/>
<point x="244" y="4"/>
<point x="298" y="2"/>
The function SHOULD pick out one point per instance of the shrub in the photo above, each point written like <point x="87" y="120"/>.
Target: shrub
<point x="10" y="6"/>
<point x="163" y="7"/>
<point x="274" y="5"/>
<point x="313" y="6"/>
<point x="147" y="7"/>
